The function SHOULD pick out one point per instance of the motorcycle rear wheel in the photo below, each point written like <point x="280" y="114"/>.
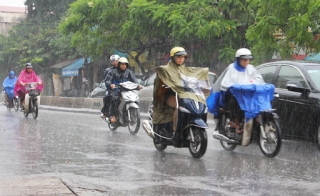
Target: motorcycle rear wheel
<point x="270" y="146"/>
<point x="112" y="126"/>
<point x="159" y="147"/>
<point x="225" y="145"/>
<point x="134" y="124"/>
<point x="198" y="147"/>
<point x="228" y="146"/>
<point x="16" y="104"/>
<point x="35" y="109"/>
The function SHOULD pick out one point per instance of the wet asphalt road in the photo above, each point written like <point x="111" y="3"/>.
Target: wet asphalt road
<point x="91" y="160"/>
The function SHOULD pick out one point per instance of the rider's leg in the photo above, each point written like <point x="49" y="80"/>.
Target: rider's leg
<point x="6" y="97"/>
<point x="115" y="98"/>
<point x="236" y="114"/>
<point x="105" y="108"/>
<point x="172" y="102"/>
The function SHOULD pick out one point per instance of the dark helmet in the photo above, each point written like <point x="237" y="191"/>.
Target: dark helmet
<point x="28" y="65"/>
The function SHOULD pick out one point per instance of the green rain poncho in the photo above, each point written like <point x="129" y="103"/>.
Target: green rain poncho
<point x="175" y="77"/>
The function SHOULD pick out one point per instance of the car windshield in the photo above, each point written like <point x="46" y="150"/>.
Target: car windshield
<point x="314" y="73"/>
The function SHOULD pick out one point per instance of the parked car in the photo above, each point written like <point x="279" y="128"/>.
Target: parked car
<point x="99" y="91"/>
<point x="147" y="92"/>
<point x="297" y="97"/>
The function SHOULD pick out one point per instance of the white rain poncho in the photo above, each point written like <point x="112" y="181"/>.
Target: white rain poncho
<point x="235" y="74"/>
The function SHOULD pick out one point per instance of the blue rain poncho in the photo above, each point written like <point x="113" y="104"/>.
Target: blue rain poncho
<point x="9" y="83"/>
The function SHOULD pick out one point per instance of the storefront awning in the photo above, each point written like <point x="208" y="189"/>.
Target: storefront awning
<point x="73" y="68"/>
<point x="313" y="57"/>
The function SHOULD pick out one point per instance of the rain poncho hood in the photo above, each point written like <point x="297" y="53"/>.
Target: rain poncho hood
<point x="26" y="77"/>
<point x="175" y="77"/>
<point x="9" y="83"/>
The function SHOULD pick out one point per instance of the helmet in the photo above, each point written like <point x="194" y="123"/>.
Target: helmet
<point x="123" y="60"/>
<point x="11" y="73"/>
<point x="243" y="53"/>
<point x="114" y="57"/>
<point x="28" y="65"/>
<point x="178" y="51"/>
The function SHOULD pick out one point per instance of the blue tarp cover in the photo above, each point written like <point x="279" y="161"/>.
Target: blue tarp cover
<point x="252" y="99"/>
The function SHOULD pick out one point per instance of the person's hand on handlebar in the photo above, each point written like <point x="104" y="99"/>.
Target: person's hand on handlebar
<point x="139" y="87"/>
<point x="23" y="84"/>
<point x="112" y="86"/>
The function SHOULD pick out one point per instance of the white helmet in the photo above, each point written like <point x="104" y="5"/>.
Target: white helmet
<point x="243" y="53"/>
<point x="123" y="60"/>
<point x="114" y="57"/>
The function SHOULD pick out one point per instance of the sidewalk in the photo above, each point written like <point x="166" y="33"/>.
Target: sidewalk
<point x="34" y="186"/>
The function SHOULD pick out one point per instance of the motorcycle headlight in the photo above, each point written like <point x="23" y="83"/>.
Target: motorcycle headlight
<point x="193" y="83"/>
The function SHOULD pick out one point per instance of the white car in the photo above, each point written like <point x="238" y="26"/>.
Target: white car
<point x="146" y="93"/>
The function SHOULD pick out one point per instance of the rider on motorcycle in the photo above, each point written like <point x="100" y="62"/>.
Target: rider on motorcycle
<point x="8" y="85"/>
<point x="114" y="78"/>
<point x="239" y="72"/>
<point x="114" y="59"/>
<point x="27" y="75"/>
<point x="165" y="103"/>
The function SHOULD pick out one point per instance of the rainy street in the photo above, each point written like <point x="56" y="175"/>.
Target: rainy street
<point x="91" y="160"/>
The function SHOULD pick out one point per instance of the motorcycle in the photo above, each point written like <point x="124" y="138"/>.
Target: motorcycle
<point x="31" y="100"/>
<point x="191" y="123"/>
<point x="13" y="100"/>
<point x="263" y="128"/>
<point x="128" y="109"/>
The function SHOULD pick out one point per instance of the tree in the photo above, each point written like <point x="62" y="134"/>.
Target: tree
<point x="37" y="39"/>
<point x="210" y="31"/>
<point x="284" y="27"/>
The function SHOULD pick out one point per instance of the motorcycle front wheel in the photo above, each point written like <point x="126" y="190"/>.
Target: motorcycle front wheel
<point x="198" y="146"/>
<point x="35" y="109"/>
<point x="271" y="145"/>
<point x="134" y="123"/>
<point x="16" y="104"/>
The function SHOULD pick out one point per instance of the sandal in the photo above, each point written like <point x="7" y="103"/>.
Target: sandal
<point x="239" y="130"/>
<point x="113" y="119"/>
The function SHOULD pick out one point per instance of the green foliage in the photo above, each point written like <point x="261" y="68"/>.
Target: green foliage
<point x="37" y="39"/>
<point x="284" y="27"/>
<point x="203" y="27"/>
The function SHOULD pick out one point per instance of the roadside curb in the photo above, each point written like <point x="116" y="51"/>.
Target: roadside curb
<point x="93" y="111"/>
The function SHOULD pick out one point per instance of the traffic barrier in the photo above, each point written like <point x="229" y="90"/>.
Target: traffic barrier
<point x="55" y="101"/>
<point x="46" y="100"/>
<point x="78" y="102"/>
<point x="66" y="102"/>
<point x="2" y="98"/>
<point x="93" y="103"/>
